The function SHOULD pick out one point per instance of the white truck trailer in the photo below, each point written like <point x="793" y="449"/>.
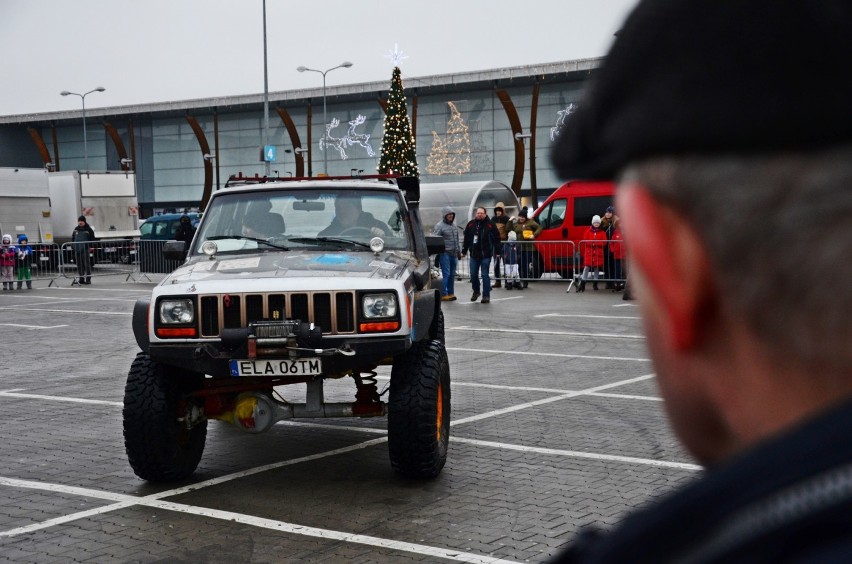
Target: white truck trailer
<point x="25" y="204"/>
<point x="107" y="199"/>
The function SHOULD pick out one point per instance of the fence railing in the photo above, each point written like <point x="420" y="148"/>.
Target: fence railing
<point x="601" y="261"/>
<point x="136" y="260"/>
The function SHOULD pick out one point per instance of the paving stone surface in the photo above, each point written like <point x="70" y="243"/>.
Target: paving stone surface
<point x="557" y="425"/>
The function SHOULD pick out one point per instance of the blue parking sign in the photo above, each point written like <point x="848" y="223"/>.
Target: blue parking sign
<point x="269" y="153"/>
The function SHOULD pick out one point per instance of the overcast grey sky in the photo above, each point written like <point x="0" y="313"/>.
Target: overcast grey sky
<point x="145" y="51"/>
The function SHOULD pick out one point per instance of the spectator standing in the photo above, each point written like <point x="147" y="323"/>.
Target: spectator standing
<point x="608" y="221"/>
<point x="526" y="231"/>
<point x="753" y="364"/>
<point x="593" y="243"/>
<point x="617" y="251"/>
<point x="185" y="231"/>
<point x="449" y="259"/>
<point x="7" y="262"/>
<point x="24" y="262"/>
<point x="499" y="220"/>
<point x="481" y="238"/>
<point x="81" y="237"/>
<point x="510" y="262"/>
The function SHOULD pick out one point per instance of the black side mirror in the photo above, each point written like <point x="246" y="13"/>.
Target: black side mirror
<point x="435" y="244"/>
<point x="174" y="250"/>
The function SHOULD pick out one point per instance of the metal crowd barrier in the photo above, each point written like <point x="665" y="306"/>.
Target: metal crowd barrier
<point x="92" y="259"/>
<point x="44" y="264"/>
<point x="601" y="261"/>
<point x="537" y="260"/>
<point x="150" y="259"/>
<point x="562" y="261"/>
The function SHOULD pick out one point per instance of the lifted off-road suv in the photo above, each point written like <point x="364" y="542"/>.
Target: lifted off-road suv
<point x="292" y="282"/>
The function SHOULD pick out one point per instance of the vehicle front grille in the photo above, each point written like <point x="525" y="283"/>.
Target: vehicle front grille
<point x="333" y="312"/>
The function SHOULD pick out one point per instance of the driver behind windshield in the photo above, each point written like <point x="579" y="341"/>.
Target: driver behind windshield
<point x="349" y="219"/>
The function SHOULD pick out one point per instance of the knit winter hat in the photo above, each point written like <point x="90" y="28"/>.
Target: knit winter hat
<point x="524" y="212"/>
<point x="82" y="218"/>
<point x="596" y="219"/>
<point x="512" y="236"/>
<point x="22" y="238"/>
<point x="7" y="239"/>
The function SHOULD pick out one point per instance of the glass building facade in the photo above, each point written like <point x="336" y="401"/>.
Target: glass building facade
<point x="463" y="133"/>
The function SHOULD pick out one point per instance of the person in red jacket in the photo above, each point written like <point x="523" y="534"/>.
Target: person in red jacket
<point x="592" y="249"/>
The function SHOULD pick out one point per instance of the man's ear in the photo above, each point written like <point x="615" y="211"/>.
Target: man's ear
<point x="673" y="263"/>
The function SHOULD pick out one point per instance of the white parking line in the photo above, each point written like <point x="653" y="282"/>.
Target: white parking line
<point x="32" y="326"/>
<point x="493" y="299"/>
<point x="536" y="403"/>
<point x="532" y="332"/>
<point x="17" y="394"/>
<point x="67" y="311"/>
<point x="561" y="355"/>
<point x="586" y="316"/>
<point x="155" y="501"/>
<point x="576" y="454"/>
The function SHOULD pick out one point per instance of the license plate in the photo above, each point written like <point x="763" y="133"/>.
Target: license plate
<point x="297" y="367"/>
<point x="110" y="249"/>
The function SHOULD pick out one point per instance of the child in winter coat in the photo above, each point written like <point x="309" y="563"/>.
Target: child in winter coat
<point x="592" y="248"/>
<point x="7" y="262"/>
<point x="510" y="261"/>
<point x="24" y="262"/>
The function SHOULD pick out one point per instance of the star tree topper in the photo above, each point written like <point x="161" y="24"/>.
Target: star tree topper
<point x="396" y="56"/>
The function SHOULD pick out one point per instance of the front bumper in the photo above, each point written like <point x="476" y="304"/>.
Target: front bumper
<point x="213" y="358"/>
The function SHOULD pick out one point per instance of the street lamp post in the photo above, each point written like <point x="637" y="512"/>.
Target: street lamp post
<point x="345" y="65"/>
<point x="83" y="98"/>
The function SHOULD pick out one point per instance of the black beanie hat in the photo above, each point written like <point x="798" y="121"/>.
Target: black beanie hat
<point x="711" y="77"/>
<point x="82" y="218"/>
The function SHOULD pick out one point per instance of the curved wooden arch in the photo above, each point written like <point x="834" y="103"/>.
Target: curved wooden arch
<point x="40" y="146"/>
<point x="533" y="120"/>
<point x="208" y="167"/>
<point x="294" y="139"/>
<point x="119" y="144"/>
<point x="515" y="124"/>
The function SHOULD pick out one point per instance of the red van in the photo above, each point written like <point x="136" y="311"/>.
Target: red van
<point x="565" y="216"/>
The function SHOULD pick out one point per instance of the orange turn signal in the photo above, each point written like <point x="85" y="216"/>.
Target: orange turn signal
<point x="384" y="326"/>
<point x="175" y="332"/>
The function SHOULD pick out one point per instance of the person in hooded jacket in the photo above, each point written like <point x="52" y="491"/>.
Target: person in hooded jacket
<point x="81" y="237"/>
<point x="24" y="262"/>
<point x="7" y="262"/>
<point x="449" y="259"/>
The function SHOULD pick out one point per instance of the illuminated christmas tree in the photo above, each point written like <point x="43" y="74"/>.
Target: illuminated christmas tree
<point x="452" y="154"/>
<point x="398" y="146"/>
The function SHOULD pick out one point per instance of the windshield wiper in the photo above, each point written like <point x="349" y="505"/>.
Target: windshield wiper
<point x="243" y="237"/>
<point x="328" y="240"/>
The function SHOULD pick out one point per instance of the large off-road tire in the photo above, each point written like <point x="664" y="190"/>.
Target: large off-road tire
<point x="419" y="411"/>
<point x="159" y="447"/>
<point x="436" y="331"/>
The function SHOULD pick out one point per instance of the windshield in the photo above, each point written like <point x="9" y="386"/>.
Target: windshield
<point x="274" y="220"/>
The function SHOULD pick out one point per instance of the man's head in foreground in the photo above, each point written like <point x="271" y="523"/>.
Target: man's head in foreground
<point x="728" y="127"/>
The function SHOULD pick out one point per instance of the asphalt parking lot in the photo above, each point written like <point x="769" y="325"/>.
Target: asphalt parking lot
<point x="556" y="424"/>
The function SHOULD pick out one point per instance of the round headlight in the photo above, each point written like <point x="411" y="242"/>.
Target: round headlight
<point x="379" y="305"/>
<point x="377" y="245"/>
<point x="209" y="248"/>
<point x="177" y="311"/>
